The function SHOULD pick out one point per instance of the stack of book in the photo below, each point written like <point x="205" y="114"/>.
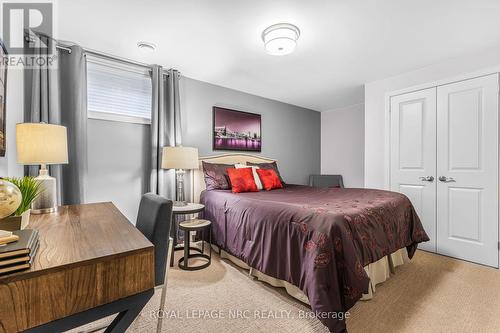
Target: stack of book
<point x="18" y="255"/>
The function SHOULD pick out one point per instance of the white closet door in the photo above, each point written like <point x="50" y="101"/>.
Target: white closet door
<point x="413" y="155"/>
<point x="467" y="170"/>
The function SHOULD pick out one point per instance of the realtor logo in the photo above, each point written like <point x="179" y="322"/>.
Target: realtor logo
<point x="27" y="27"/>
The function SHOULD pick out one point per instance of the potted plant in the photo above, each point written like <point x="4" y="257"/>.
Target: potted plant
<point x="30" y="189"/>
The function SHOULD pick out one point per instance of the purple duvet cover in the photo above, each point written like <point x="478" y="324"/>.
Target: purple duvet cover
<point x="317" y="239"/>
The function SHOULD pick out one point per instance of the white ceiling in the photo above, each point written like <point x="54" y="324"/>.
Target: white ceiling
<point x="344" y="43"/>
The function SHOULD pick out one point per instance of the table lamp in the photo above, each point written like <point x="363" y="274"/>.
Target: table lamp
<point x="42" y="144"/>
<point x="181" y="159"/>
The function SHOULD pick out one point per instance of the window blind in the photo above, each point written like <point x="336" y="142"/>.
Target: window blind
<point x="116" y="93"/>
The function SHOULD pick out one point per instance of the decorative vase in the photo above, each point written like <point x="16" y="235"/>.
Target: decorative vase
<point x="13" y="223"/>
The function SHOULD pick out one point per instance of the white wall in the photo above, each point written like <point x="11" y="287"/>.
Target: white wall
<point x="375" y="117"/>
<point x="342" y="144"/>
<point x="15" y="114"/>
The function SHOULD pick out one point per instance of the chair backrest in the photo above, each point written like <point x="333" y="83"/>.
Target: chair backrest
<point x="154" y="220"/>
<point x="326" y="181"/>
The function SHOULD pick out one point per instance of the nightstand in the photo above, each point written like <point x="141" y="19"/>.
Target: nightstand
<point x="190" y="208"/>
<point x="195" y="225"/>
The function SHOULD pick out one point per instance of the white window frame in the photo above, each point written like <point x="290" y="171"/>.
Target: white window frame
<point x="110" y="116"/>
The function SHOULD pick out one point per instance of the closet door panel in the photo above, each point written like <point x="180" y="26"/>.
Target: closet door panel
<point x="467" y="169"/>
<point x="413" y="155"/>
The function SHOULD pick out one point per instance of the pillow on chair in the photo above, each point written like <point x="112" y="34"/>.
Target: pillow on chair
<point x="331" y="181"/>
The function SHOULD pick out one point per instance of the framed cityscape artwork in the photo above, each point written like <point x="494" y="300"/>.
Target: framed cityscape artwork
<point x="236" y="130"/>
<point x="3" y="92"/>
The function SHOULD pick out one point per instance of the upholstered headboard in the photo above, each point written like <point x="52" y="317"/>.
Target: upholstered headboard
<point x="197" y="181"/>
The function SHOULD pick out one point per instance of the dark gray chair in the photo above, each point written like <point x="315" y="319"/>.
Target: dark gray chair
<point x="326" y="181"/>
<point x="154" y="220"/>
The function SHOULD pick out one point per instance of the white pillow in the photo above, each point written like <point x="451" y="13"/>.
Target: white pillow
<point x="255" y="174"/>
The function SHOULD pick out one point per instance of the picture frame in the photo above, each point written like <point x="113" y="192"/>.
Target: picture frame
<point x="236" y="130"/>
<point x="3" y="97"/>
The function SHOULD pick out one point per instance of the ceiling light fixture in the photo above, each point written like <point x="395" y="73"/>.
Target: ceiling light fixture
<point x="280" y="39"/>
<point x="146" y="47"/>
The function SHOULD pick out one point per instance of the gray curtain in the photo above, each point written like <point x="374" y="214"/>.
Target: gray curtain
<point x="73" y="90"/>
<point x="42" y="100"/>
<point x="165" y="127"/>
<point x="58" y="95"/>
<point x="174" y="107"/>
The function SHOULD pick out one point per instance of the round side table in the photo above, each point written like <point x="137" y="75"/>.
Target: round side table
<point x="195" y="225"/>
<point x="190" y="208"/>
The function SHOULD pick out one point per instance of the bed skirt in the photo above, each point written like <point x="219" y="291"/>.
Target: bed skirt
<point x="378" y="272"/>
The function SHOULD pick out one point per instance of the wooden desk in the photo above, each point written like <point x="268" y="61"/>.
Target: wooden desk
<point x="92" y="262"/>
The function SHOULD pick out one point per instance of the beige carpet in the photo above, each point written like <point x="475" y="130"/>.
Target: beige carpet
<point x="430" y="294"/>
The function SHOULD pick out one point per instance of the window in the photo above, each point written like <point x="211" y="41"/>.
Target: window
<point x="118" y="92"/>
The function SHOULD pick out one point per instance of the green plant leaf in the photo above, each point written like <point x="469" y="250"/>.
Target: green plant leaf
<point x="30" y="190"/>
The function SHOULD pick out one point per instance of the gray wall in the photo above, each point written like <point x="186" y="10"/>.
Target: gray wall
<point x="118" y="160"/>
<point x="290" y="134"/>
<point x="118" y="153"/>
<point x="342" y="143"/>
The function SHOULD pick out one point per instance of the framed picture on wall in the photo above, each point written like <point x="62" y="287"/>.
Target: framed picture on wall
<point x="236" y="130"/>
<point x="3" y="92"/>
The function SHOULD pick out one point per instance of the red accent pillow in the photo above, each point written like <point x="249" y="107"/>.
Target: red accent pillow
<point x="270" y="179"/>
<point x="242" y="180"/>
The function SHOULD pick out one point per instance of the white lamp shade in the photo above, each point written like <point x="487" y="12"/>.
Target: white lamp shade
<point x="39" y="143"/>
<point x="179" y="158"/>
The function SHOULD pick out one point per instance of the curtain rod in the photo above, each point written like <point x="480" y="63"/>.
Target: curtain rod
<point x="110" y="56"/>
<point x="64" y="48"/>
<point x="103" y="55"/>
<point x="113" y="57"/>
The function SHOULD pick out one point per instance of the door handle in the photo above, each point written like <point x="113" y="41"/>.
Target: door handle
<point x="445" y="179"/>
<point x="427" y="179"/>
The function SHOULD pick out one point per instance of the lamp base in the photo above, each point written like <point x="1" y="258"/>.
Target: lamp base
<point x="43" y="211"/>
<point x="180" y="196"/>
<point x="46" y="202"/>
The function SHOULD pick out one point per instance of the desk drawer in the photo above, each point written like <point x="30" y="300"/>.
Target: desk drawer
<point x="36" y="300"/>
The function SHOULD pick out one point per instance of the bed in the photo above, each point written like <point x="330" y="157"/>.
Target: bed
<point x="328" y="247"/>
